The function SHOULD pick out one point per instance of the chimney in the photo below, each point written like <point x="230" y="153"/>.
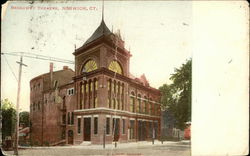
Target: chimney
<point x="65" y="67"/>
<point x="51" y="67"/>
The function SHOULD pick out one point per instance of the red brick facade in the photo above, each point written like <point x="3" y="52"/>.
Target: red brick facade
<point x="100" y="101"/>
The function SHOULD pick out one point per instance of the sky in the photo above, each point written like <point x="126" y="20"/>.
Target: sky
<point x="158" y="35"/>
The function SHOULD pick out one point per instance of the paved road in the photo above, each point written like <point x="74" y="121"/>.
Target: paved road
<point x="173" y="149"/>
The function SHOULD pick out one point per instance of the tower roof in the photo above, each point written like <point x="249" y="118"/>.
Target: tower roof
<point x="100" y="31"/>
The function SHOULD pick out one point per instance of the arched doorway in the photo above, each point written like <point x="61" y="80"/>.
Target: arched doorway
<point x="70" y="137"/>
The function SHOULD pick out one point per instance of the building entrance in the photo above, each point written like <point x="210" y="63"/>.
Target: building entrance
<point x="87" y="129"/>
<point x="116" y="129"/>
<point x="142" y="130"/>
<point x="70" y="137"/>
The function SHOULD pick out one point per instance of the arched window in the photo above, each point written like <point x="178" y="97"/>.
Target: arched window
<point x="115" y="67"/>
<point x="89" y="66"/>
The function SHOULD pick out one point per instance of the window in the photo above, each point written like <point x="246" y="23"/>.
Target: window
<point x="108" y="85"/>
<point x="139" y="104"/>
<point x="89" y="66"/>
<point x="118" y="90"/>
<point x="115" y="67"/>
<point x="132" y="102"/>
<point x="116" y="104"/>
<point x="123" y="126"/>
<point x="68" y="118"/>
<point x="96" y="85"/>
<point x="79" y="125"/>
<point x="145" y="105"/>
<point x="70" y="91"/>
<point x="107" y="125"/>
<point x="109" y="102"/>
<point x="95" y="125"/>
<point x="87" y="87"/>
<point x="72" y="118"/>
<point x="91" y="86"/>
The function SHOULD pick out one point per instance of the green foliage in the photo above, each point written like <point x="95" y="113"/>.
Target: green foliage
<point x="177" y="96"/>
<point x="24" y="118"/>
<point x="8" y="118"/>
<point x="6" y="104"/>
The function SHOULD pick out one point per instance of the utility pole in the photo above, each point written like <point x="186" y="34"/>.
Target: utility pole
<point x="17" y="103"/>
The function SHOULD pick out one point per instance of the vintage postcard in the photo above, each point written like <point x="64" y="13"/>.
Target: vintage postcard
<point x="124" y="78"/>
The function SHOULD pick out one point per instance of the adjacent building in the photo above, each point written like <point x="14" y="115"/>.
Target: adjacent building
<point x="100" y="100"/>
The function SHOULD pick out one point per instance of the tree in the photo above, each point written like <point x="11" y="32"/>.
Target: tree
<point x="24" y="118"/>
<point x="8" y="118"/>
<point x="177" y="96"/>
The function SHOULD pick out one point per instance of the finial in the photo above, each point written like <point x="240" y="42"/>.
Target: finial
<point x="102" y="10"/>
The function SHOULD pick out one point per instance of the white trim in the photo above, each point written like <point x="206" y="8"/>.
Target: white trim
<point x="95" y="115"/>
<point x="124" y="117"/>
<point x="108" y="116"/>
<point x="131" y="118"/>
<point x="87" y="116"/>
<point x="114" y="110"/>
<point x="79" y="116"/>
<point x="69" y="91"/>
<point x="144" y="120"/>
<point x="115" y="116"/>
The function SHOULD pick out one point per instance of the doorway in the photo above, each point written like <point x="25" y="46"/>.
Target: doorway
<point x="116" y="128"/>
<point x="87" y="129"/>
<point x="70" y="137"/>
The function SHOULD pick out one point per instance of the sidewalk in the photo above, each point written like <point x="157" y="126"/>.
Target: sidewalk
<point x="112" y="146"/>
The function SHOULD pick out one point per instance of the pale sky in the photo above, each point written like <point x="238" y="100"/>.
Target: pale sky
<point x="158" y="34"/>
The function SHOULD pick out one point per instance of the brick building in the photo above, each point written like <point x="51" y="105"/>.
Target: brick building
<point x="100" y="99"/>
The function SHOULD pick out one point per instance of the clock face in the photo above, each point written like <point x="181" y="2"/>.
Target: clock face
<point x="89" y="66"/>
<point x="115" y="67"/>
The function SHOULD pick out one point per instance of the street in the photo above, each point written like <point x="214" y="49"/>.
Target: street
<point x="125" y="149"/>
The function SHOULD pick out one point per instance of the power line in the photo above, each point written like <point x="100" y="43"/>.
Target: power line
<point x="36" y="56"/>
<point x="10" y="67"/>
